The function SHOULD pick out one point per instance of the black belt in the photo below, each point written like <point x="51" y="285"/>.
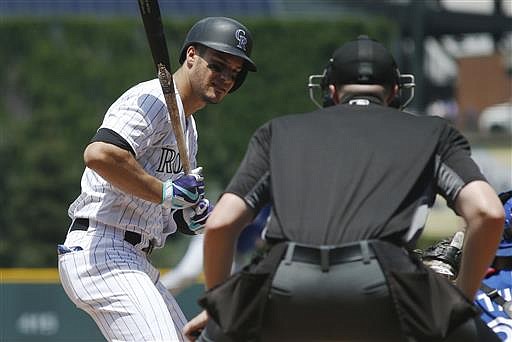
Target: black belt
<point x="330" y="255"/>
<point x="133" y="238"/>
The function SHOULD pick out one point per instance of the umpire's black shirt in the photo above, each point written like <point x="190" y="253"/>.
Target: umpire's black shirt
<point x="354" y="171"/>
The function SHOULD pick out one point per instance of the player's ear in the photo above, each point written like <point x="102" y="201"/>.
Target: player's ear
<point x="392" y="94"/>
<point x="333" y="93"/>
<point x="191" y="55"/>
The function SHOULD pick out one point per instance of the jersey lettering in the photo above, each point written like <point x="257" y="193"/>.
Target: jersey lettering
<point x="169" y="161"/>
<point x="502" y="327"/>
<point x="487" y="302"/>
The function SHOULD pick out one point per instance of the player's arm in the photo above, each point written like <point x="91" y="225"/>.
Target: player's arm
<point x="119" y="167"/>
<point x="483" y="212"/>
<point x="468" y="193"/>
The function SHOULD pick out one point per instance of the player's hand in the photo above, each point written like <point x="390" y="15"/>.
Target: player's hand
<point x="193" y="328"/>
<point x="196" y="216"/>
<point x="185" y="191"/>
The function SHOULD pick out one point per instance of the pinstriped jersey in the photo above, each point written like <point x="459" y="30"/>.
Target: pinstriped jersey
<point x="139" y="116"/>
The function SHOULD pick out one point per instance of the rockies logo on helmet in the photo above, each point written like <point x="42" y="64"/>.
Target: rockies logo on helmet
<point x="224" y="35"/>
<point x="242" y="40"/>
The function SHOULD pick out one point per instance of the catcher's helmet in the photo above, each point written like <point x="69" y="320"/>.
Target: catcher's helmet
<point x="225" y="35"/>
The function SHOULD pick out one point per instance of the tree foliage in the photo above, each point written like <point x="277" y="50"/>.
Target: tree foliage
<point x="58" y="76"/>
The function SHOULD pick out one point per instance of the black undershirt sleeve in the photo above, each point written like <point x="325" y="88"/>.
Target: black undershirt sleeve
<point x="455" y="167"/>
<point x="109" y="136"/>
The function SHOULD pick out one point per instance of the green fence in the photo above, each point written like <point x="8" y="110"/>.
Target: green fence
<point x="43" y="312"/>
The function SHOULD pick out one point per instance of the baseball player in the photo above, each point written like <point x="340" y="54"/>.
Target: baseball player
<point x="134" y="192"/>
<point x="495" y="294"/>
<point x="494" y="297"/>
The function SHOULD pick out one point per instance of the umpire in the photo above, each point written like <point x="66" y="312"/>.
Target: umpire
<point x="350" y="187"/>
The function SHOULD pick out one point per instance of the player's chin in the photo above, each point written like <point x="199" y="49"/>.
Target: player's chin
<point x="215" y="95"/>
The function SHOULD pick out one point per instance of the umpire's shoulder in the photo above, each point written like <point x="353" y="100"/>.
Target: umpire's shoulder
<point x="265" y="130"/>
<point x="436" y="121"/>
<point x="289" y="119"/>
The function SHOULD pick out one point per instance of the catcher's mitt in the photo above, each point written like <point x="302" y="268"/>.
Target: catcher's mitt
<point x="444" y="256"/>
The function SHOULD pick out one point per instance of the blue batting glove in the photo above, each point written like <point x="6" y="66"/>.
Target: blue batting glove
<point x="183" y="192"/>
<point x="196" y="216"/>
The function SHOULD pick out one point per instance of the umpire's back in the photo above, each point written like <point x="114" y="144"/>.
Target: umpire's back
<point x="364" y="170"/>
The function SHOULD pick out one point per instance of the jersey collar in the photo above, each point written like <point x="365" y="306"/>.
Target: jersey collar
<point x="362" y="100"/>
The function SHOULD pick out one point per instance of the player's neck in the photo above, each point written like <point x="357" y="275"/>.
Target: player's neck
<point x="191" y="103"/>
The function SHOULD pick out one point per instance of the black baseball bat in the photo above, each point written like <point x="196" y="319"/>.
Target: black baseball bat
<point x="150" y="12"/>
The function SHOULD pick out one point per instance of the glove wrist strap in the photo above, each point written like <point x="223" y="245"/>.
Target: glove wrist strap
<point x="167" y="192"/>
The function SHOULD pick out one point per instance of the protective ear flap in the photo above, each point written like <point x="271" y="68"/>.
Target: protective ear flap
<point x="324" y="84"/>
<point x="239" y="80"/>
<point x="396" y="102"/>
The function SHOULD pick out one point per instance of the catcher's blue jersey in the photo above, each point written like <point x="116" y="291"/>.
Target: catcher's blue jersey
<point x="493" y="313"/>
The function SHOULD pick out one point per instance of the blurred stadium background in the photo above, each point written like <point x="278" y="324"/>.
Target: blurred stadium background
<point x="459" y="50"/>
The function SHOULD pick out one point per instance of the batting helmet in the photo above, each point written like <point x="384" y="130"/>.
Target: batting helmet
<point x="225" y="35"/>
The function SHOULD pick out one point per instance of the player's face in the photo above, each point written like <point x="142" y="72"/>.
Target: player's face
<point x="215" y="74"/>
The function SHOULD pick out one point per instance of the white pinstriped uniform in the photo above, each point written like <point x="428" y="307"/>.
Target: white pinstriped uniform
<point x="111" y="279"/>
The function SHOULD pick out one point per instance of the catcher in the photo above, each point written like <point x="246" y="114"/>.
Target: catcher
<point x="494" y="296"/>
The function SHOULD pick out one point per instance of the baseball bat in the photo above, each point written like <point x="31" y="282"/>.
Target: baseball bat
<point x="150" y="12"/>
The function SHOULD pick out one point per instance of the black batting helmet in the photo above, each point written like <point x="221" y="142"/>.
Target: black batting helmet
<point x="225" y="35"/>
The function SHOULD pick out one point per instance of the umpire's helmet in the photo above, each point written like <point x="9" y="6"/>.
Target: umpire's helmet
<point x="363" y="61"/>
<point x="366" y="61"/>
<point x="225" y="35"/>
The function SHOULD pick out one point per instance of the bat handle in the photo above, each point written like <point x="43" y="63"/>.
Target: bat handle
<point x="165" y="78"/>
<point x="167" y="84"/>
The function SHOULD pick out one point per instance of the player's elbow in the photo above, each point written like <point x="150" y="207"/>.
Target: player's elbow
<point x="94" y="155"/>
<point x="478" y="203"/>
<point x="215" y="224"/>
<point x="98" y="155"/>
<point x="494" y="216"/>
<point x="490" y="217"/>
<point x="490" y="211"/>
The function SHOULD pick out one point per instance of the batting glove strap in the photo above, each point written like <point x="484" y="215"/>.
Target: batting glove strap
<point x="196" y="216"/>
<point x="183" y="192"/>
